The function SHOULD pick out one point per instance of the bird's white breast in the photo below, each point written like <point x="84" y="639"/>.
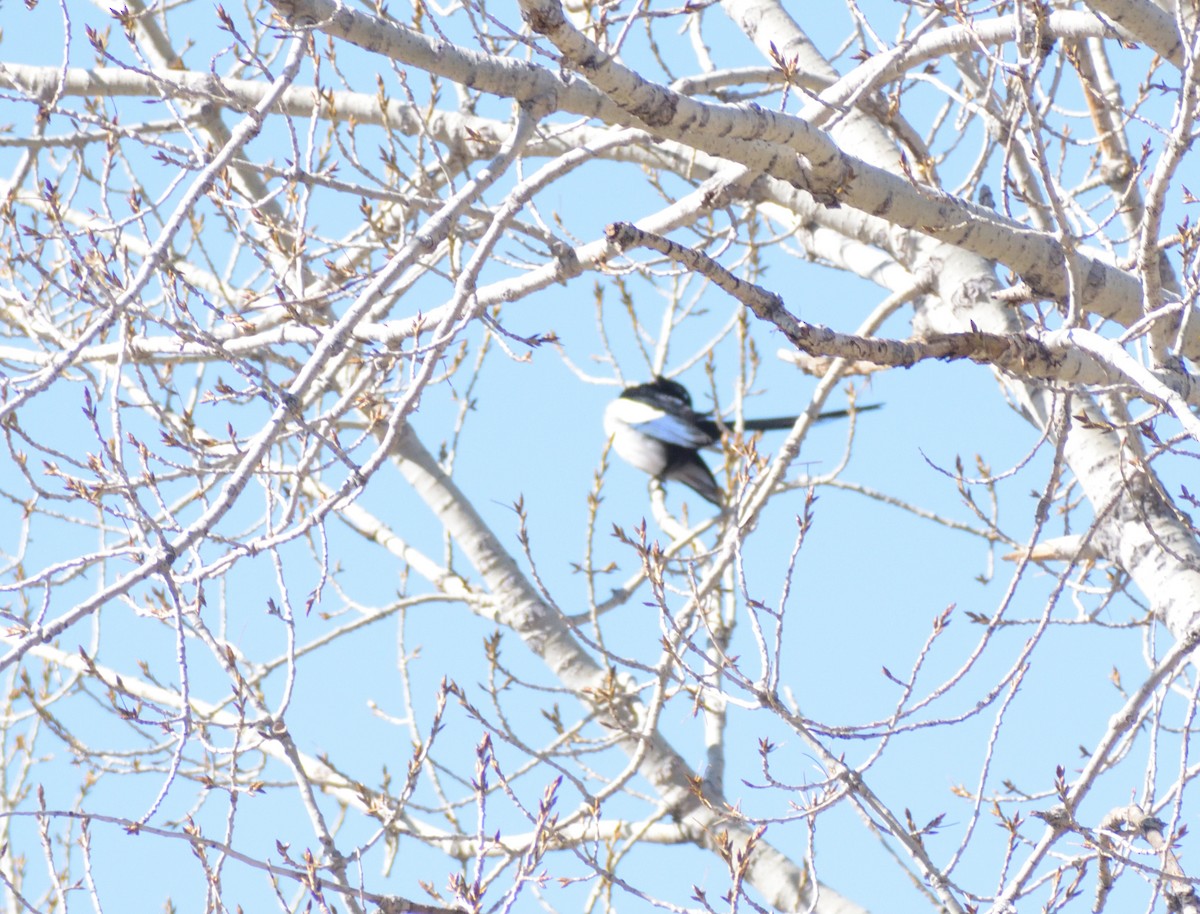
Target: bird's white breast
<point x="621" y="419"/>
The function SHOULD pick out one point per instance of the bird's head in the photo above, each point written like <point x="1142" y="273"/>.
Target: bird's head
<point x="659" y="388"/>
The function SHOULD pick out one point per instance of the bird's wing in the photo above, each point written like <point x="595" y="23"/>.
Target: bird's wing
<point x="684" y="430"/>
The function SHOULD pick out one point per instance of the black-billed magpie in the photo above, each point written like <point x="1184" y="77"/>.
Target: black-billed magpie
<point x="654" y="427"/>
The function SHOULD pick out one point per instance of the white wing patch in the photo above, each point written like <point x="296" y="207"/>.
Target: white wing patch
<point x="650" y="420"/>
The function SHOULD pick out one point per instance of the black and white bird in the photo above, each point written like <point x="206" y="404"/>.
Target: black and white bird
<point x="654" y="427"/>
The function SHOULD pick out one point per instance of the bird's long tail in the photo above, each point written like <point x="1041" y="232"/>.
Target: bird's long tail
<point x="766" y="425"/>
